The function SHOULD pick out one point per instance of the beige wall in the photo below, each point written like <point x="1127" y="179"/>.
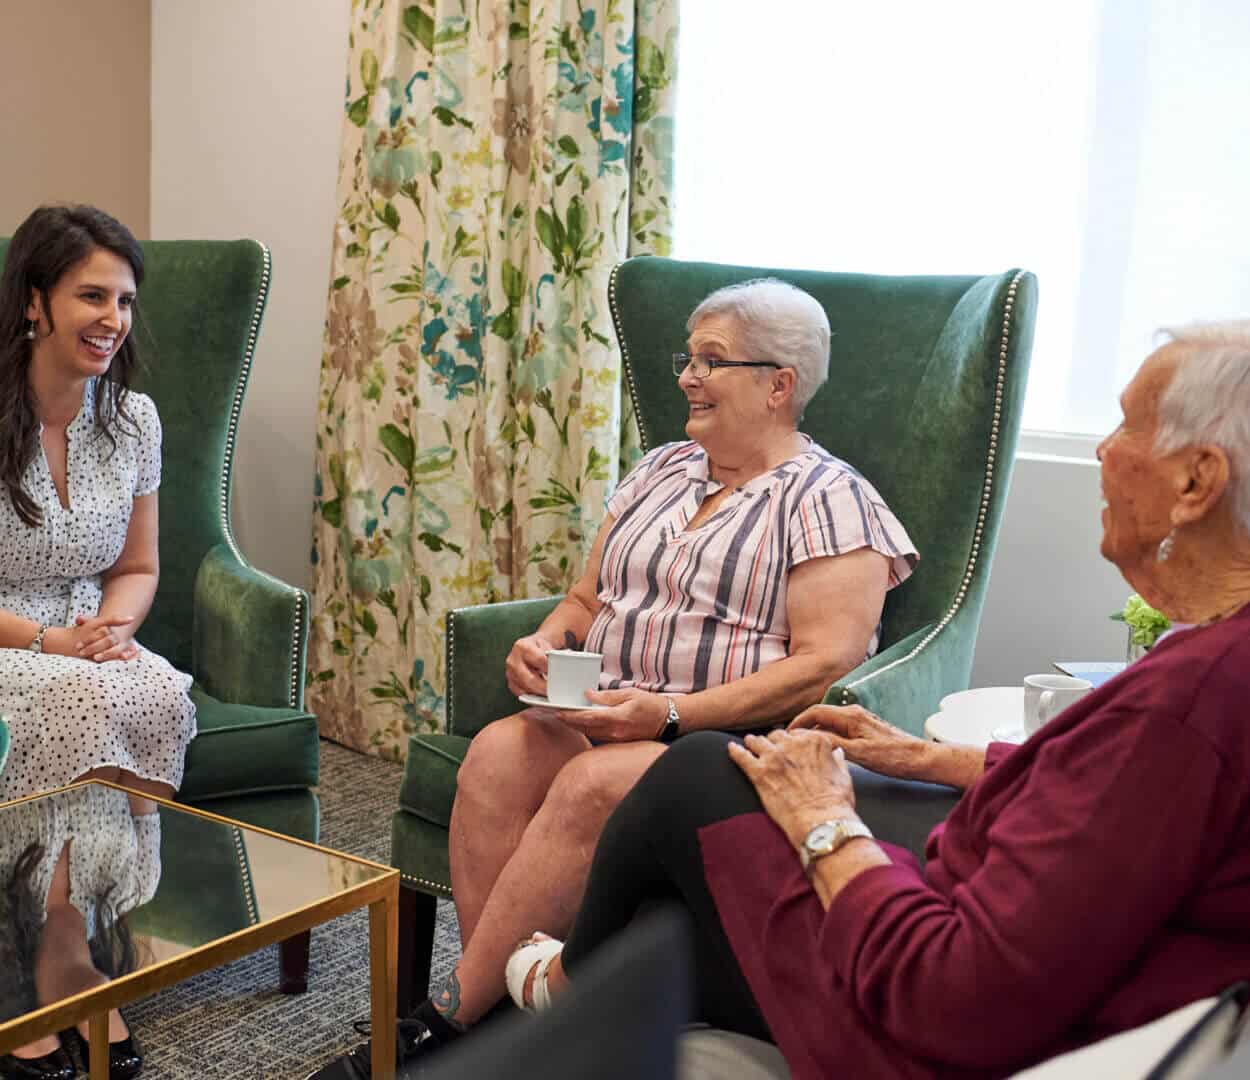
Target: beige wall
<point x="247" y="111"/>
<point x="74" y="123"/>
<point x="1050" y="591"/>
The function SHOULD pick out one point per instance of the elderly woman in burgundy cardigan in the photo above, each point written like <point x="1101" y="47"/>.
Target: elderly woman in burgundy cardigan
<point x="1087" y="882"/>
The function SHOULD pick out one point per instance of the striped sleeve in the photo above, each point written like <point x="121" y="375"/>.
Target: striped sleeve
<point x="844" y="515"/>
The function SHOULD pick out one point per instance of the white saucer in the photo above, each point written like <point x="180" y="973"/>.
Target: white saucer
<point x="975" y="717"/>
<point x="1011" y="733"/>
<point x="541" y="702"/>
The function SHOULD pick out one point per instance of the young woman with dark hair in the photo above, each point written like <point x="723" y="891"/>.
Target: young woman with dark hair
<point x="80" y="464"/>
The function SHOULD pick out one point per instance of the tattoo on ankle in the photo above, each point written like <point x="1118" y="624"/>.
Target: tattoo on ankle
<point x="447" y="1000"/>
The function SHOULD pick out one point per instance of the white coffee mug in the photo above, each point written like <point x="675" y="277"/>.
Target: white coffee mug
<point x="1045" y="696"/>
<point x="570" y="674"/>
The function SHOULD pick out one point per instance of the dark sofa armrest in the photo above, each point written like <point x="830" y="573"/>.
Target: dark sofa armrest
<point x="479" y="639"/>
<point x="249" y="635"/>
<point x="902" y="812"/>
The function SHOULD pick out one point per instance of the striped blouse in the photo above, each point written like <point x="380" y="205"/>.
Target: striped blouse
<point x="683" y="611"/>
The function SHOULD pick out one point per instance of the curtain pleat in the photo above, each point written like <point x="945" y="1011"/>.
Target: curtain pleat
<point x="498" y="159"/>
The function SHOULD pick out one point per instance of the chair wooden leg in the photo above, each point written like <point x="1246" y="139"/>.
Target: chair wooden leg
<point x="416" y="946"/>
<point x="293" y="963"/>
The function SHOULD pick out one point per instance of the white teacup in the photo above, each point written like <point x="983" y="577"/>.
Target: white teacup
<point x="1045" y="696"/>
<point x="570" y="674"/>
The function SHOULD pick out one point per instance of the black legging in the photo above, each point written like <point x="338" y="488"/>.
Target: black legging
<point x="649" y="852"/>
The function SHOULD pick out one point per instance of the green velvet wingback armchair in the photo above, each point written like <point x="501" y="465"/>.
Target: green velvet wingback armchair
<point x="240" y="633"/>
<point x="925" y="394"/>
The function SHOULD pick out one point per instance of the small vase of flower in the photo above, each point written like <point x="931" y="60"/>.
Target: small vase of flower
<point x="1145" y="626"/>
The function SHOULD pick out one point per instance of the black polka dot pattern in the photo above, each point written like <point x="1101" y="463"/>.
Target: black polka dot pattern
<point x="66" y="715"/>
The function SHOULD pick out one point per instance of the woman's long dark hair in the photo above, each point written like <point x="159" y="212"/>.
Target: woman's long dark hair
<point x="47" y="244"/>
<point x="22" y="917"/>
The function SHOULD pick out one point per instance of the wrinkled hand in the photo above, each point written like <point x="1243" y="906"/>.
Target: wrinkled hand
<point x="634" y="716"/>
<point x="799" y="779"/>
<point x="866" y="739"/>
<point x="98" y="638"/>
<point x="526" y="666"/>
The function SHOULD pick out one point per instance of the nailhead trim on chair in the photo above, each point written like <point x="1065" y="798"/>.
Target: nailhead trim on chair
<point x="427" y="886"/>
<point x="227" y="471"/>
<point x="629" y="370"/>
<point x="245" y="876"/>
<point x="987" y="489"/>
<point x="423" y="883"/>
<point x="451" y="664"/>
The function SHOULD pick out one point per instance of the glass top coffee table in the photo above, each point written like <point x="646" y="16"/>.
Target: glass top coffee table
<point x="163" y="892"/>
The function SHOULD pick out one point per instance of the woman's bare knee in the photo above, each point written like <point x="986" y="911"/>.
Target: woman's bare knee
<point x="591" y="785"/>
<point x="513" y="761"/>
<point x="110" y="773"/>
<point x="156" y="789"/>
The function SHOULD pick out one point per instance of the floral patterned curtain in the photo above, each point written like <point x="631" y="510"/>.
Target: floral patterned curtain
<point x="499" y="157"/>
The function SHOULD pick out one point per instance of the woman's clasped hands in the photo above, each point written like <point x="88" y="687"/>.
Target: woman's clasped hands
<point x="98" y="638"/>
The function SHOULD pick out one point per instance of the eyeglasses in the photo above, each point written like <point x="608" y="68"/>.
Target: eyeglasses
<point x="701" y="366"/>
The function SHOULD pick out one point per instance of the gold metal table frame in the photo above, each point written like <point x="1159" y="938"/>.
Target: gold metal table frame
<point x="381" y="895"/>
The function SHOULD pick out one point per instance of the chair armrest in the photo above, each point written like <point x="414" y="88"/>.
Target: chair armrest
<point x="479" y="639"/>
<point x="249" y="633"/>
<point x="904" y="683"/>
<point x="902" y="812"/>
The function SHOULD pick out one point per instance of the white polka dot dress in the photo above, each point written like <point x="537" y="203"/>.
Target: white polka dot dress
<point x="111" y="853"/>
<point x="67" y="715"/>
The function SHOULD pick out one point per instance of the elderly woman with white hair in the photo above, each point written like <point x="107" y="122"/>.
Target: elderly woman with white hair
<point x="736" y="576"/>
<point x="1087" y="882"/>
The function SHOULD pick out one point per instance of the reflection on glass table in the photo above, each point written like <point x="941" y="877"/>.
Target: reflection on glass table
<point x="73" y="866"/>
<point x="157" y="892"/>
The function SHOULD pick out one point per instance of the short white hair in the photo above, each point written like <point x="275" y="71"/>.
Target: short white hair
<point x="1208" y="400"/>
<point x="776" y="321"/>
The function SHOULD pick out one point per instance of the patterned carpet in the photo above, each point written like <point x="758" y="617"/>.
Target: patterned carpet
<point x="232" y="1023"/>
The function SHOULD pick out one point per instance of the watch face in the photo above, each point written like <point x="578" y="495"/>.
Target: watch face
<point x="821" y="837"/>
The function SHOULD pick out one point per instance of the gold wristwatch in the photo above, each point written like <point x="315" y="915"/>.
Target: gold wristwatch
<point x="37" y="644"/>
<point x="825" y="838"/>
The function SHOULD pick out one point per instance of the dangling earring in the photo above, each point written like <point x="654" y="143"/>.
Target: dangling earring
<point x="1164" y="551"/>
<point x="30" y="330"/>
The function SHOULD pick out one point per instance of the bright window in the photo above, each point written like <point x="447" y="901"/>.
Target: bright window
<point x="1103" y="145"/>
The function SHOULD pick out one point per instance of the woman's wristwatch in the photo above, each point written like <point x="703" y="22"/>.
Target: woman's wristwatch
<point x="37" y="644"/>
<point x="825" y="838"/>
<point x="672" y="724"/>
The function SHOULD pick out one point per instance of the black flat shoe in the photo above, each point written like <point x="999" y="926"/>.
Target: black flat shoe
<point x="414" y="1042"/>
<point x="125" y="1060"/>
<point x="57" y="1065"/>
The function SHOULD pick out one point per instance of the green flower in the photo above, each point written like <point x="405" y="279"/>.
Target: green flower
<point x="1145" y="623"/>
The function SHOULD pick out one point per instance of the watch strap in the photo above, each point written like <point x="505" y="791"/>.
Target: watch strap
<point x="672" y="723"/>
